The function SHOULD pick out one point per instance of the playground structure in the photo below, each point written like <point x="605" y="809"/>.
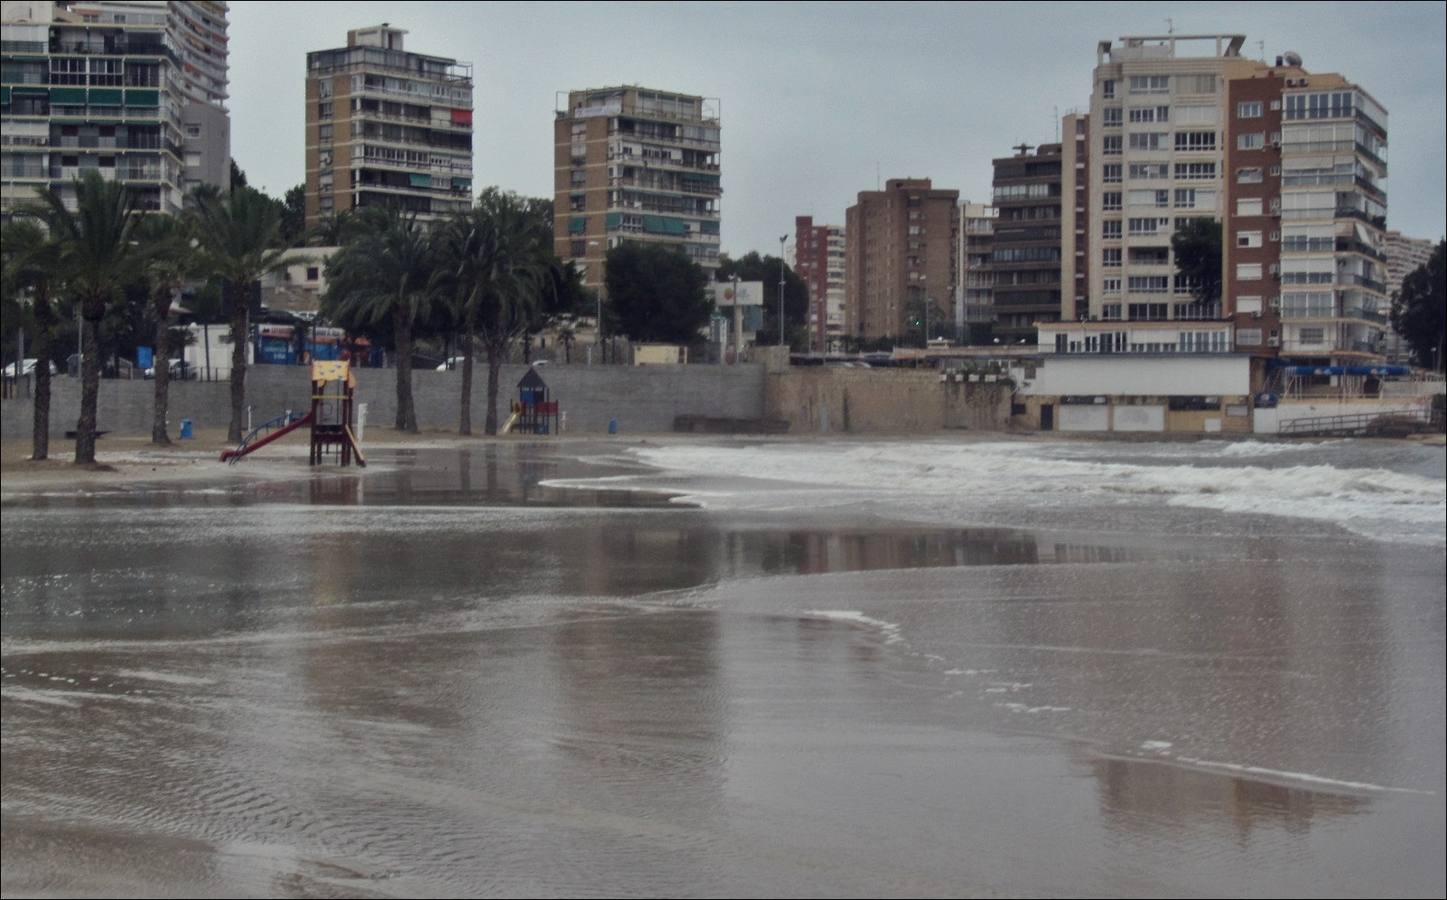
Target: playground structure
<point x="331" y="417"/>
<point x="533" y="412"/>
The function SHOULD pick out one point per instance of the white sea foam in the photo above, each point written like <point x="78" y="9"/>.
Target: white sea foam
<point x="890" y="630"/>
<point x="1301" y="776"/>
<point x="931" y="480"/>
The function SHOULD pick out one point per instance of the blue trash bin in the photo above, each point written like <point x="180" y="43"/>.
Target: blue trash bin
<point x="187" y="431"/>
<point x="612" y="426"/>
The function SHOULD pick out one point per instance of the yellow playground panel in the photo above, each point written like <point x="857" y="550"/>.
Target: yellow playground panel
<point x="327" y="370"/>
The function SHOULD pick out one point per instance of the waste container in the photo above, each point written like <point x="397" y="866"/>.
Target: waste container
<point x="187" y="430"/>
<point x="612" y="426"/>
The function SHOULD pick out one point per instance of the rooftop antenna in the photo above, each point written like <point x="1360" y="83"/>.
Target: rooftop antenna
<point x="1261" y="48"/>
<point x="1057" y="124"/>
<point x="876" y="174"/>
<point x="1023" y="148"/>
<point x="1170" y="26"/>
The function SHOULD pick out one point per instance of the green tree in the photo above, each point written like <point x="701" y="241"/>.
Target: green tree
<point x="30" y="261"/>
<point x="1197" y="247"/>
<point x="1418" y="309"/>
<point x="240" y="235"/>
<point x="97" y="253"/>
<point x="753" y="267"/>
<point x="383" y="275"/>
<point x="238" y="177"/>
<point x="657" y="293"/>
<point x="293" y="217"/>
<point x="171" y="258"/>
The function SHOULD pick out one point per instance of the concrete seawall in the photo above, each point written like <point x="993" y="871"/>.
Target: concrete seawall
<point x="641" y="399"/>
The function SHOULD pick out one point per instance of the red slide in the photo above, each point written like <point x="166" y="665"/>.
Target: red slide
<point x="249" y="446"/>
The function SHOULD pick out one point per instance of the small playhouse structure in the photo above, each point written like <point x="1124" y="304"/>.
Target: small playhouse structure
<point x="331" y="417"/>
<point x="533" y="412"/>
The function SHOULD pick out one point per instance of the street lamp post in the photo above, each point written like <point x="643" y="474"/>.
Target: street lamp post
<point x="782" y="239"/>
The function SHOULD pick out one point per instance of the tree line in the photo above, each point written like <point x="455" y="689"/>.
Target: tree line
<point x="485" y="278"/>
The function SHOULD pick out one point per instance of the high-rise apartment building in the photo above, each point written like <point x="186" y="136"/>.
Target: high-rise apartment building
<point x="1291" y="164"/>
<point x="132" y="89"/>
<point x="1404" y="256"/>
<point x="819" y="260"/>
<point x="902" y="268"/>
<point x="975" y="314"/>
<point x="635" y="164"/>
<point x="1074" y="216"/>
<point x="1027" y="247"/>
<point x="1304" y="244"/>
<point x="387" y="127"/>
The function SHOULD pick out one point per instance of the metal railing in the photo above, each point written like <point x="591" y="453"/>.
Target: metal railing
<point x="1354" y="423"/>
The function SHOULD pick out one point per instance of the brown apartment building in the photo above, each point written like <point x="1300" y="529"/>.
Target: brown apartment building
<point x="633" y="164"/>
<point x="1305" y="267"/>
<point x="819" y="260"/>
<point x="385" y="127"/>
<point x="901" y="261"/>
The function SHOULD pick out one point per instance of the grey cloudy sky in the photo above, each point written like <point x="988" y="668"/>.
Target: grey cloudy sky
<point x="814" y="95"/>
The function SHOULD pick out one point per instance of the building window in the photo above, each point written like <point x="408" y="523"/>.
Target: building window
<point x="1148" y="284"/>
<point x="1248" y="271"/>
<point x="1195" y="140"/>
<point x="1111" y="285"/>
<point x="1148" y="140"/>
<point x="578" y="249"/>
<point x="1110" y="145"/>
<point x="1248" y="239"/>
<point x="1248" y="337"/>
<point x="1312" y="335"/>
<point x="1248" y="109"/>
<point x="1150" y="84"/>
<point x="312" y="273"/>
<point x="1110" y="257"/>
<point x="324" y="109"/>
<point x="1110" y="229"/>
<point x="1110" y="311"/>
<point x="1110" y="173"/>
<point x="1110" y="116"/>
<point x="1196" y="171"/>
<point x="1275" y="170"/>
<point x="1196" y="84"/>
<point x="1248" y="207"/>
<point x="1147" y="171"/>
<point x="1150" y="114"/>
<point x="1248" y="176"/>
<point x="1148" y="226"/>
<point x="1107" y="89"/>
<point x="1110" y="200"/>
<point x="1252" y="141"/>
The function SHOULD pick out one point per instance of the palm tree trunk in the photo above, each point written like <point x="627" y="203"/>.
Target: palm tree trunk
<point x="464" y="424"/>
<point x="406" y="413"/>
<point x="89" y="390"/>
<point x="239" y="338"/>
<point x="40" y="426"/>
<point x="494" y="370"/>
<point x="163" y="376"/>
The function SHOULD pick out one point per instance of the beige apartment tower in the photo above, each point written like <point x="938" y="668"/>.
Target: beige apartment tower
<point x="901" y="262"/>
<point x="632" y="164"/>
<point x="385" y="127"/>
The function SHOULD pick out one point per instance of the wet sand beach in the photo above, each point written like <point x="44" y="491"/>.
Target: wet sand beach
<point x="677" y="667"/>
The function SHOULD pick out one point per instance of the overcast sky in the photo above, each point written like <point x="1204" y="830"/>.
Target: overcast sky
<point x="814" y="97"/>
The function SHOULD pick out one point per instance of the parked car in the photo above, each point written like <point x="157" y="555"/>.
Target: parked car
<point x="27" y="368"/>
<point x="180" y="371"/>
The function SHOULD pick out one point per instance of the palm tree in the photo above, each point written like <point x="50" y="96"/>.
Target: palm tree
<point x="97" y="253"/>
<point x="31" y="262"/>
<point x="240" y="241"/>
<point x="509" y="289"/>
<point x="171" y="258"/>
<point x="384" y="274"/>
